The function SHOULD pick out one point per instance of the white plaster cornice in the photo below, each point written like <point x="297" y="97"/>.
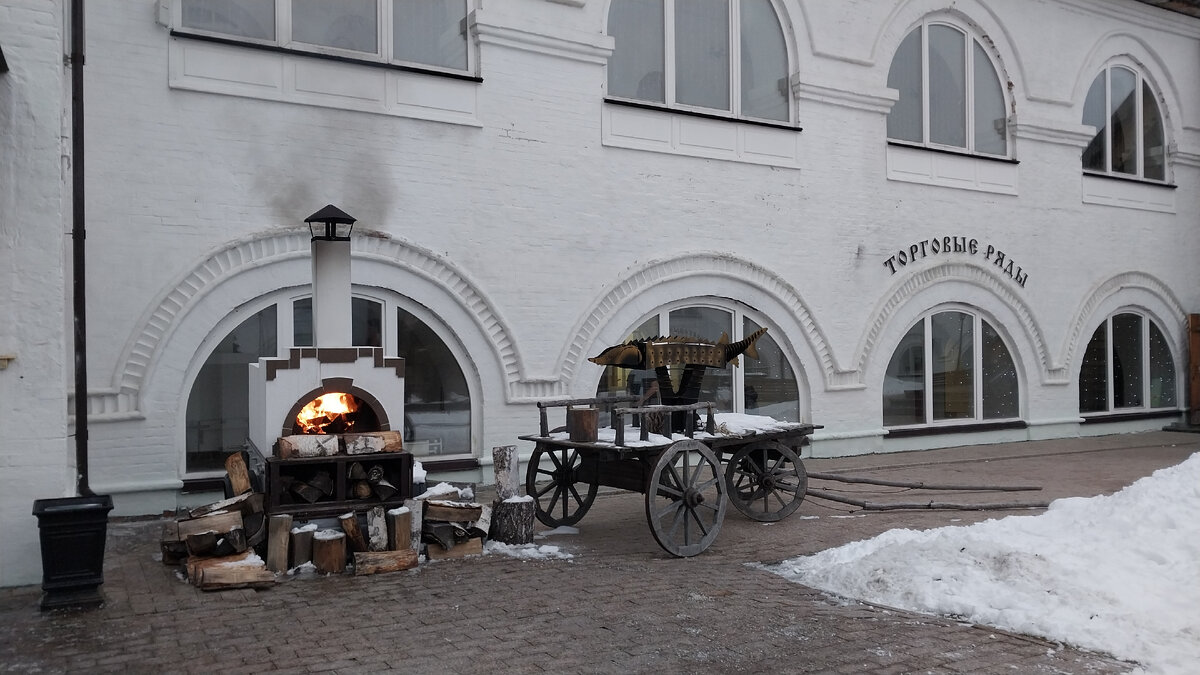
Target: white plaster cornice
<point x="1140" y="15"/>
<point x="879" y="101"/>
<point x="572" y="3"/>
<point x="1190" y="159"/>
<point x="499" y="29"/>
<point x="1047" y="131"/>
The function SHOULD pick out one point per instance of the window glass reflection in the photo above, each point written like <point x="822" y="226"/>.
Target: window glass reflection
<point x="953" y="365"/>
<point x="1162" y="370"/>
<point x="1000" y="396"/>
<point x="904" y="382"/>
<point x="770" y="386"/>
<point x="437" y="403"/>
<point x="1127" y="360"/>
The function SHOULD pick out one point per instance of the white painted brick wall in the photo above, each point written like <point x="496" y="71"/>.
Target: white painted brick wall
<point x="536" y="212"/>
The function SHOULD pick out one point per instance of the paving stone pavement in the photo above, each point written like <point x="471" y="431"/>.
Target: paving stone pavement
<point x="620" y="605"/>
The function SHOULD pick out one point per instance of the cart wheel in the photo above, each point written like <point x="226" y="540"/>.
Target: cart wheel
<point x="767" y="481"/>
<point x="560" y="502"/>
<point x="685" y="498"/>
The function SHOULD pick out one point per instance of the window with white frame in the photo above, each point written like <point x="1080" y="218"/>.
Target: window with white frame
<point x="1129" y="139"/>
<point x="424" y="33"/>
<point x="1127" y="365"/>
<point x="950" y="93"/>
<point x="950" y="367"/>
<point x="720" y="56"/>
<point x="764" y="386"/>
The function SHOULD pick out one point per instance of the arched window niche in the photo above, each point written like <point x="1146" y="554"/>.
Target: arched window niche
<point x="951" y="95"/>
<point x="1127" y="366"/>
<point x="951" y="367"/>
<point x="768" y="385"/>
<point x="728" y="57"/>
<point x="438" y="401"/>
<point x="1130" y="138"/>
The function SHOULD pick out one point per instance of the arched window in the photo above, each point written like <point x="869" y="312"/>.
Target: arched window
<point x="764" y="386"/>
<point x="1129" y="136"/>
<point x="1127" y="364"/>
<point x="437" y="400"/>
<point x="726" y="56"/>
<point x="950" y="367"/>
<point x="950" y="93"/>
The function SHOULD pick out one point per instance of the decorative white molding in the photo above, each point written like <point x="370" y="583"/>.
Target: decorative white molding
<point x="572" y="3"/>
<point x="1049" y="131"/>
<point x="1128" y="194"/>
<point x="1183" y="158"/>
<point x="951" y="170"/>
<point x="698" y="265"/>
<point x="998" y="286"/>
<point x="879" y="101"/>
<point x="224" y="264"/>
<point x="1122" y="284"/>
<point x="575" y="45"/>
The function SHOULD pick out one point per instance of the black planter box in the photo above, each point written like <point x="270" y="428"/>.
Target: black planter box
<point x="72" y="533"/>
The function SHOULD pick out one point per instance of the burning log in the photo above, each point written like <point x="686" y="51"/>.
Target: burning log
<point x="354" y="535"/>
<point x="277" y="545"/>
<point x="329" y="551"/>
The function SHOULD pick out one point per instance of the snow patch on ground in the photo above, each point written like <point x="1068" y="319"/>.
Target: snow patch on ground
<point x="527" y="551"/>
<point x="1118" y="574"/>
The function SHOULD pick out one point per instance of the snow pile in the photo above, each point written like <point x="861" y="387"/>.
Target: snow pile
<point x="527" y="551"/>
<point x="1118" y="574"/>
<point x="561" y="529"/>
<point x="727" y="424"/>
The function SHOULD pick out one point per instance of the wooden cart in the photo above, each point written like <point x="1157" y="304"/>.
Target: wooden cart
<point x="688" y="483"/>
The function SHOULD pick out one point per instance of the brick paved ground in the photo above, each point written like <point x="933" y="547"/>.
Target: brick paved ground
<point x="620" y="605"/>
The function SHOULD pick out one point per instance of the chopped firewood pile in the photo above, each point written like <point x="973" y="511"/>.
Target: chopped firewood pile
<point x="235" y="543"/>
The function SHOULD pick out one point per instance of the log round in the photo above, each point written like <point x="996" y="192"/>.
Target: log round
<point x="512" y="521"/>
<point x="329" y="552"/>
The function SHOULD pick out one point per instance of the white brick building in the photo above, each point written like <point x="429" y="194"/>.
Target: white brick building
<point x="894" y="187"/>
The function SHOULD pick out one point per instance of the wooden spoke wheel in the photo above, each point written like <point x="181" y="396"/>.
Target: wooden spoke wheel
<point x="568" y="495"/>
<point x="766" y="480"/>
<point x="685" y="498"/>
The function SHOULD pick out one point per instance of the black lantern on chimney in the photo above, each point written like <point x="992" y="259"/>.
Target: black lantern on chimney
<point x="330" y="224"/>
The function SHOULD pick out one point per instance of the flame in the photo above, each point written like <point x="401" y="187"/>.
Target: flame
<point x="325" y="410"/>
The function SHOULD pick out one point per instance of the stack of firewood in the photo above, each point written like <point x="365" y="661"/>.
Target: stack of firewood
<point x="453" y="529"/>
<point x="215" y="543"/>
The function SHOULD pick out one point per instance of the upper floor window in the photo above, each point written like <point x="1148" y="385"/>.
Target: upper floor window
<point x="1127" y="365"/>
<point x="426" y="33"/>
<point x="1129" y="136"/>
<point x="950" y="94"/>
<point x="722" y="56"/>
<point x="950" y="366"/>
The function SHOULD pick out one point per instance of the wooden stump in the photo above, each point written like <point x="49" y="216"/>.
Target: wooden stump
<point x="417" y="508"/>
<point x="582" y="424"/>
<point x="512" y="520"/>
<point x="354" y="536"/>
<point x="377" y="533"/>
<point x="277" y="542"/>
<point x="399" y="522"/>
<point x="506" y="466"/>
<point x="329" y="551"/>
<point x="302" y="545"/>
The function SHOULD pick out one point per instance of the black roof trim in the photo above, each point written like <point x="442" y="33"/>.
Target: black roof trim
<point x="3" y="63"/>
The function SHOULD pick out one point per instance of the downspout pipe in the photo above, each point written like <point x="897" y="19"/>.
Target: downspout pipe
<point x="78" y="235"/>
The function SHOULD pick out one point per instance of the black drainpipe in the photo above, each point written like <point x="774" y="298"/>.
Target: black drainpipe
<point x="78" y="234"/>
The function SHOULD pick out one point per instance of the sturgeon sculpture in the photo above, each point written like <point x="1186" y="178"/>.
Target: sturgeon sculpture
<point x="692" y="354"/>
<point x="676" y="350"/>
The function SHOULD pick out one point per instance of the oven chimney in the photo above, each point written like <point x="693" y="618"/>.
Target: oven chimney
<point x="331" y="306"/>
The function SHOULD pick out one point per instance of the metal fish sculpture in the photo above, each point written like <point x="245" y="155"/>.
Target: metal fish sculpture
<point x="678" y="351"/>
